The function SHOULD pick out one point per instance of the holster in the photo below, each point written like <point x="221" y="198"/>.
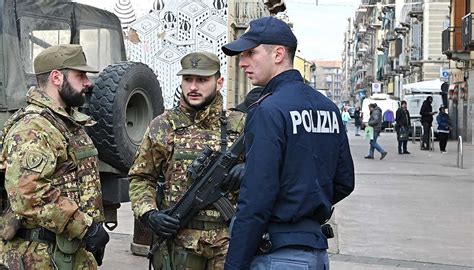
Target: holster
<point x="9" y="224"/>
<point x="64" y="252"/>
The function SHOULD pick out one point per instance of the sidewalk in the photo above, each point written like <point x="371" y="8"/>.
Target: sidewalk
<point x="407" y="212"/>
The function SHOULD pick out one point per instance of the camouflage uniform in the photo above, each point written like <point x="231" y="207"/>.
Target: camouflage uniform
<point x="52" y="180"/>
<point x="171" y="143"/>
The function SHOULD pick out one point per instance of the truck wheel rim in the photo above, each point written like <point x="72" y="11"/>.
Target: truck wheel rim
<point x="139" y="113"/>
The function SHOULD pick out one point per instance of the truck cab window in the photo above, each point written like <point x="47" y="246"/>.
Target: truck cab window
<point x="97" y="43"/>
<point x="37" y="34"/>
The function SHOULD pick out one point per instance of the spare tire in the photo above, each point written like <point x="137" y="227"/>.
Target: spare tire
<point x="125" y="98"/>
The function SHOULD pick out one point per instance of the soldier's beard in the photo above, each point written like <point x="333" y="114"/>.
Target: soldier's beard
<point x="70" y="96"/>
<point x="206" y="101"/>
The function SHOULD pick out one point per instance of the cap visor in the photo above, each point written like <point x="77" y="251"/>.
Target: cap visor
<point x="85" y="68"/>
<point x="238" y="46"/>
<point x="197" y="72"/>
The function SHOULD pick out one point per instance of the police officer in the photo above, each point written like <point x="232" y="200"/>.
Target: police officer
<point x="51" y="172"/>
<point x="173" y="140"/>
<point x="298" y="161"/>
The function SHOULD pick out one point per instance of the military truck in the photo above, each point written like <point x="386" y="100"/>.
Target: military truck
<point x="125" y="97"/>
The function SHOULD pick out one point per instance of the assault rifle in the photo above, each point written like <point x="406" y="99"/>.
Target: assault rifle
<point x="207" y="173"/>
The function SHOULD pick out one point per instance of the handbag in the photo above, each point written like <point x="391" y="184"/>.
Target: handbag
<point x="403" y="134"/>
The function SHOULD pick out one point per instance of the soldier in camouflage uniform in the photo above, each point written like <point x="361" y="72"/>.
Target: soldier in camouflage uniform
<point x="51" y="172"/>
<point x="171" y="143"/>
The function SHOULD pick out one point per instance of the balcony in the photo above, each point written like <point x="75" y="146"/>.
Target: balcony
<point x="451" y="44"/>
<point x="247" y="11"/>
<point x="467" y="38"/>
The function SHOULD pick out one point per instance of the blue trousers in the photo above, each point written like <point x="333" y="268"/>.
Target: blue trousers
<point x="375" y="145"/>
<point x="292" y="259"/>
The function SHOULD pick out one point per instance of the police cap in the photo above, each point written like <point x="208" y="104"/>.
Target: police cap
<point x="265" y="30"/>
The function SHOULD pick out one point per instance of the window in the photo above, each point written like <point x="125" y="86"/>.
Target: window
<point x="98" y="46"/>
<point x="37" y="34"/>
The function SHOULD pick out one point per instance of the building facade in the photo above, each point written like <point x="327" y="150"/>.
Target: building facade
<point x="458" y="46"/>
<point x="328" y="78"/>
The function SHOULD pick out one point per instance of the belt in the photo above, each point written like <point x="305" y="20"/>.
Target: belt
<point x="41" y="235"/>
<point x="205" y="225"/>
<point x="299" y="247"/>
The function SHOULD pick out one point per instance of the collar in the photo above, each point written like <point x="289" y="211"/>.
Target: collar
<point x="207" y="116"/>
<point x="40" y="98"/>
<point x="284" y="77"/>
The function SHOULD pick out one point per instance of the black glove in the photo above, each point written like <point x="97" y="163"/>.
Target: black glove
<point x="161" y="223"/>
<point x="234" y="178"/>
<point x="95" y="240"/>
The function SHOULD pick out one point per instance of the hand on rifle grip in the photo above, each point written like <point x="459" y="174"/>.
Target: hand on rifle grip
<point x="161" y="223"/>
<point x="234" y="178"/>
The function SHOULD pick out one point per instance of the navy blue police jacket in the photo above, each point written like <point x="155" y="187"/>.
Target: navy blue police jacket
<point x="298" y="165"/>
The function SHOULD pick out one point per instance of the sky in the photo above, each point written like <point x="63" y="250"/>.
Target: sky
<point x="320" y="28"/>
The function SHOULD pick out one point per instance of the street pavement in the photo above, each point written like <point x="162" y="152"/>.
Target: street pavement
<point x="407" y="212"/>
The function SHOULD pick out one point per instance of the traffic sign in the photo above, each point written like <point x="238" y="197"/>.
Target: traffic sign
<point x="444" y="73"/>
<point x="376" y="87"/>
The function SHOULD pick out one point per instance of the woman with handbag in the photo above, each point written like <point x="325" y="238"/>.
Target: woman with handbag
<point x="402" y="121"/>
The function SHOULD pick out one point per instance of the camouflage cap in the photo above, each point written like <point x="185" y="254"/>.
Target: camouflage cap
<point x="200" y="64"/>
<point x="62" y="56"/>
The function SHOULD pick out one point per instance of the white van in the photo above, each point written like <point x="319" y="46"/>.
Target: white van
<point x="384" y="101"/>
<point x="416" y="93"/>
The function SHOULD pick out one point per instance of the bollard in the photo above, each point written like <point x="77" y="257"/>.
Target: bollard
<point x="460" y="154"/>
<point x="431" y="139"/>
<point x="413" y="133"/>
<point x="421" y="136"/>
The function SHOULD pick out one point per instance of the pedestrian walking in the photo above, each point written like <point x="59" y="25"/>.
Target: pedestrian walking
<point x="426" y="113"/>
<point x="357" y="120"/>
<point x="55" y="214"/>
<point x="345" y="117"/>
<point x="444" y="128"/>
<point x="402" y="121"/>
<point x="171" y="143"/>
<point x="292" y="134"/>
<point x="375" y="121"/>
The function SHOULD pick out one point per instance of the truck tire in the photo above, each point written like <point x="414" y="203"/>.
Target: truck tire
<point x="125" y="98"/>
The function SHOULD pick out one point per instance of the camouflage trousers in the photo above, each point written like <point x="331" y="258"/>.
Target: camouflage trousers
<point x="172" y="256"/>
<point x="20" y="254"/>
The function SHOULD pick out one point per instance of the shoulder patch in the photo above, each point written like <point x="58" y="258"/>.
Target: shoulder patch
<point x="34" y="161"/>
<point x="256" y="103"/>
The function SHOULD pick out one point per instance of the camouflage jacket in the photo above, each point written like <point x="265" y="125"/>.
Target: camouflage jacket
<point x="51" y="171"/>
<point x="171" y="143"/>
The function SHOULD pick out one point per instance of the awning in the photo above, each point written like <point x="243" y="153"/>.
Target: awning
<point x="424" y="86"/>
